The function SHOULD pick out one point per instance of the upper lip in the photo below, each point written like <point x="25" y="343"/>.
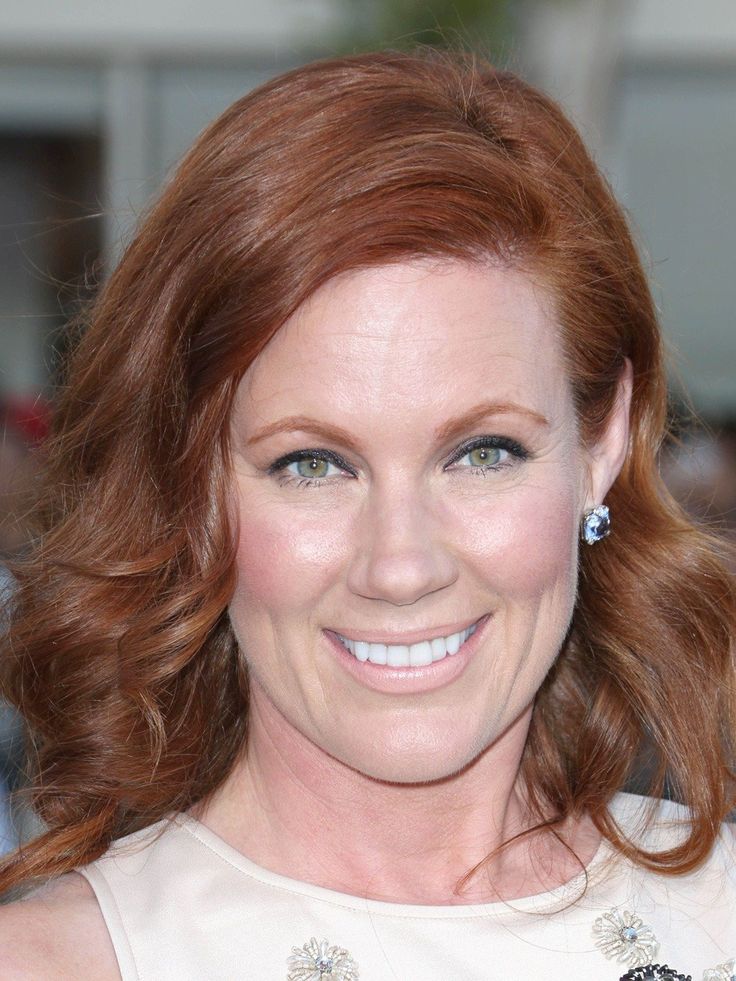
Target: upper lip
<point x="411" y="637"/>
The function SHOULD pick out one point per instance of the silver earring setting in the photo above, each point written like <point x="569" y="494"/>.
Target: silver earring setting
<point x="596" y="524"/>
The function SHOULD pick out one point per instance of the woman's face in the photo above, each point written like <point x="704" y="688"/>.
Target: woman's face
<point x="407" y="466"/>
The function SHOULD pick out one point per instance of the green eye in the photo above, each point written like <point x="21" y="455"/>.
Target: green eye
<point x="311" y="467"/>
<point x="485" y="456"/>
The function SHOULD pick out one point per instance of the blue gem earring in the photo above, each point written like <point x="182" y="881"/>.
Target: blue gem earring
<point x="596" y="524"/>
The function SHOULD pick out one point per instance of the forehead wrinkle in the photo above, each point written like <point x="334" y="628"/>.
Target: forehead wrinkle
<point x="325" y="334"/>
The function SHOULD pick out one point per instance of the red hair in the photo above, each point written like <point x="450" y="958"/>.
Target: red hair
<point x="120" y="654"/>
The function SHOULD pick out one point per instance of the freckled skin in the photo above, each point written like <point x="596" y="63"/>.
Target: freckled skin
<point x="407" y="542"/>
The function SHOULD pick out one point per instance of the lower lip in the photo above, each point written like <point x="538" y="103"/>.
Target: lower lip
<point x="409" y="681"/>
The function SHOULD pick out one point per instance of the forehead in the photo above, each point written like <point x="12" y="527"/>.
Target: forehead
<point x="413" y="338"/>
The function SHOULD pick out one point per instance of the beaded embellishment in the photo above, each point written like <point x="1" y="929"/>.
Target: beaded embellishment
<point x="723" y="972"/>
<point x="315" y="960"/>
<point x="654" y="972"/>
<point x="624" y="937"/>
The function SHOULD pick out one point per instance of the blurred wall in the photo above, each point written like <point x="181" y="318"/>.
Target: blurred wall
<point x="137" y="81"/>
<point x="652" y="84"/>
<point x="237" y="26"/>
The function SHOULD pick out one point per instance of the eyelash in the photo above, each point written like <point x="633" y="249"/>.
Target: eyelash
<point x="278" y="468"/>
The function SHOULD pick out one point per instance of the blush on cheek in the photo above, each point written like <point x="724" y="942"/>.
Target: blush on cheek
<point x="284" y="560"/>
<point x="258" y="558"/>
<point x="527" y="541"/>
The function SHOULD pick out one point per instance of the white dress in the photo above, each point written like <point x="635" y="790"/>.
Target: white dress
<point x="182" y="905"/>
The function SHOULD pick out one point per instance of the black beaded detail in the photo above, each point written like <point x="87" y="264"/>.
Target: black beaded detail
<point x="654" y="972"/>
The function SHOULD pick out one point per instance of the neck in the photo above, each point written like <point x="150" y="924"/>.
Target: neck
<point x="295" y="810"/>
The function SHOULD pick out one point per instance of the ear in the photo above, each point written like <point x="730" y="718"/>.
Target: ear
<point x="607" y="455"/>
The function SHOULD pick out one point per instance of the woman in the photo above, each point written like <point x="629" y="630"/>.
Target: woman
<point x="359" y="387"/>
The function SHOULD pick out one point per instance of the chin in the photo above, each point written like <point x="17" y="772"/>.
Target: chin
<point x="412" y="757"/>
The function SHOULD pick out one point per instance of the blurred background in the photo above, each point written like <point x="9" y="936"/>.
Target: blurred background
<point x="99" y="100"/>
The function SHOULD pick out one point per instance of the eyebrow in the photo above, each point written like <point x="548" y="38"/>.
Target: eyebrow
<point x="445" y="432"/>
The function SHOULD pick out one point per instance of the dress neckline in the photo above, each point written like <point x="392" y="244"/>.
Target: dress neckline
<point x="549" y="901"/>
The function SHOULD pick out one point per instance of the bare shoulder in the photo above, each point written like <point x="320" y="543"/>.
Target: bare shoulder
<point x="56" y="932"/>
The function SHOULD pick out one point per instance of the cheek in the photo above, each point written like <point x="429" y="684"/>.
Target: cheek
<point x="524" y="543"/>
<point x="285" y="560"/>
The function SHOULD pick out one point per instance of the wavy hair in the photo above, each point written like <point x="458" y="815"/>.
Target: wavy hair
<point x="120" y="654"/>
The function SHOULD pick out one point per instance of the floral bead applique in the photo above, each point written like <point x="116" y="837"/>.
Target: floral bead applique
<point x="625" y="938"/>
<point x="315" y="961"/>
<point x="723" y="972"/>
<point x="654" y="972"/>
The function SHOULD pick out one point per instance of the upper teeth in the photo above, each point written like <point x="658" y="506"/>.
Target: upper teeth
<point x="408" y="655"/>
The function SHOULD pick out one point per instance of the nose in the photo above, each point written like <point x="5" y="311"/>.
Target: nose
<point x="400" y="554"/>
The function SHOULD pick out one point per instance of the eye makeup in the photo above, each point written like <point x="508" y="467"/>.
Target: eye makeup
<point x="500" y="444"/>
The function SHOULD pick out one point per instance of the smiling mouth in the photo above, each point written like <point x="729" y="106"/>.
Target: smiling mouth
<point x="408" y="655"/>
